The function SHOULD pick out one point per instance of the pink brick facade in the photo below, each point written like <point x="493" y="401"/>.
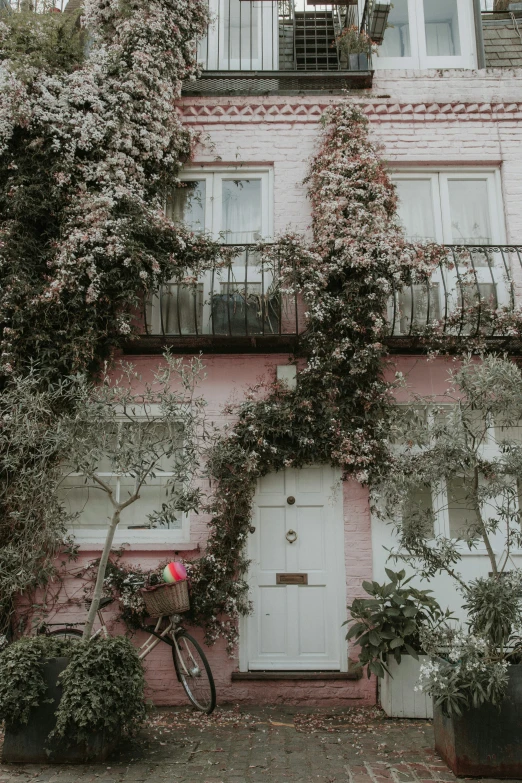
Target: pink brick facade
<point x="422" y="119"/>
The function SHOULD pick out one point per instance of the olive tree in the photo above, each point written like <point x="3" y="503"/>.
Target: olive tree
<point x="454" y="484"/>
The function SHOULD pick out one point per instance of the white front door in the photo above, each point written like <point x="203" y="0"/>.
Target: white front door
<point x="297" y="574"/>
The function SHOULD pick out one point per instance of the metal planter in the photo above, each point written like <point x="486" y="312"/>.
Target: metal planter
<point x="27" y="744"/>
<point x="484" y="742"/>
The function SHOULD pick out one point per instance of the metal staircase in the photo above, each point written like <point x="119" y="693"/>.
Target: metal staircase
<point x="315" y="48"/>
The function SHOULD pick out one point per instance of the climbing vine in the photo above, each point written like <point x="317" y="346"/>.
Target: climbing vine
<point x="339" y="412"/>
<point x="89" y="147"/>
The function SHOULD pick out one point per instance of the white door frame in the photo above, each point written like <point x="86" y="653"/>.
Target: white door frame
<point x="339" y="577"/>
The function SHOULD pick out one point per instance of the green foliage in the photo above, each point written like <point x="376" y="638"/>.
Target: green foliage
<point x="50" y="43"/>
<point x="103" y="688"/>
<point x="390" y="622"/>
<point x="494" y="607"/>
<point x="463" y="672"/>
<point x="22" y="686"/>
<point x="102" y="685"/>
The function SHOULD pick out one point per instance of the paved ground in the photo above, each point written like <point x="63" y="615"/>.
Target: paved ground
<point x="269" y="745"/>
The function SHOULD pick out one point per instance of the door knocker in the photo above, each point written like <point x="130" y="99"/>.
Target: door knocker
<point x="291" y="536"/>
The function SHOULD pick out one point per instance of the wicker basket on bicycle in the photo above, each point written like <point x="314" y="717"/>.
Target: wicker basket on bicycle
<point x="166" y="599"/>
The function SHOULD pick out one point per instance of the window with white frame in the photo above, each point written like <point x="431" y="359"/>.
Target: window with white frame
<point x="141" y="521"/>
<point x="428" y="34"/>
<point x="446" y="506"/>
<point x="452" y="207"/>
<point x="235" y="207"/>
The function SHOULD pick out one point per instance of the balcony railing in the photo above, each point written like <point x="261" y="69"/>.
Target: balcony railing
<point x="282" y="44"/>
<point x="464" y="296"/>
<point x="243" y="306"/>
<point x="242" y="303"/>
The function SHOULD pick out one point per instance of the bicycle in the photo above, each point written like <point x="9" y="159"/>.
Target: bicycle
<point x="190" y="662"/>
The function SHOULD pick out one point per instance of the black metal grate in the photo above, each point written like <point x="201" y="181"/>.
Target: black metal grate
<point x="274" y="83"/>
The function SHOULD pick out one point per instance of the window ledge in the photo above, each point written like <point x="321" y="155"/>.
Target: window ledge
<point x="169" y="546"/>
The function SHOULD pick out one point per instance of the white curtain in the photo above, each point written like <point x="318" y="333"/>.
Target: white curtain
<point x="416" y="208"/>
<point x="442" y="28"/>
<point x="396" y="41"/>
<point x="470" y="223"/>
<point x="241" y="218"/>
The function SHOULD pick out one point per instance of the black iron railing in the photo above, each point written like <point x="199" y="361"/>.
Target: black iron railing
<point x="463" y="297"/>
<point x="279" y="35"/>
<point x="469" y="294"/>
<point x="244" y="298"/>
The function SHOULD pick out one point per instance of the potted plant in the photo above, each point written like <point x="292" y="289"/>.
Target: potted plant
<point x="354" y="47"/>
<point x="460" y="455"/>
<point x="387" y="627"/>
<point x="68" y="701"/>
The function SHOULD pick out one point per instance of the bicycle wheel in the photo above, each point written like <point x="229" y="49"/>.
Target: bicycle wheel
<point x="194" y="673"/>
<point x="69" y="634"/>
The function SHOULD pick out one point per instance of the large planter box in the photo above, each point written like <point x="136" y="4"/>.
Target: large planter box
<point x="27" y="744"/>
<point x="399" y="699"/>
<point x="487" y="741"/>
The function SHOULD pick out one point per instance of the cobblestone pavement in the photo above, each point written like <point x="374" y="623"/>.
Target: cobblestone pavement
<point x="269" y="745"/>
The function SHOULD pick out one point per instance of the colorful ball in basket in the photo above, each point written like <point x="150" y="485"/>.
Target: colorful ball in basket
<point x="174" y="572"/>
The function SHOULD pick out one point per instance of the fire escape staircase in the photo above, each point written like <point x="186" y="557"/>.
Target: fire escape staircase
<point x="314" y="41"/>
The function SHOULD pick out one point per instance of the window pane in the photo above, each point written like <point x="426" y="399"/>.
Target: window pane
<point x="241" y="22"/>
<point x="93" y="504"/>
<point x="505" y="433"/>
<point x="416" y="208"/>
<point x="396" y="41"/>
<point x="469" y="209"/>
<point x="418" y="509"/>
<point x="152" y="495"/>
<point x="422" y="303"/>
<point x="462" y="515"/>
<point x="181" y="308"/>
<point x="442" y="28"/>
<point x="187" y="205"/>
<point x="242" y="210"/>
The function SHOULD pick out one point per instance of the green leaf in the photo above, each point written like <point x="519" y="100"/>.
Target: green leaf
<point x="392" y="575"/>
<point x="398" y="642"/>
<point x="409" y="649"/>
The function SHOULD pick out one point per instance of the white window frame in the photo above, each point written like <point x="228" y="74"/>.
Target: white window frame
<point x="153" y="536"/>
<point x="214" y="178"/>
<point x="439" y="496"/>
<point x="419" y="59"/>
<point x="439" y="179"/>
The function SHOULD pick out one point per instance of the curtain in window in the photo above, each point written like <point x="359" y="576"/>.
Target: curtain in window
<point x="396" y="41"/>
<point x="241" y="219"/>
<point x="442" y="28"/>
<point x="416" y="208"/>
<point x="469" y="207"/>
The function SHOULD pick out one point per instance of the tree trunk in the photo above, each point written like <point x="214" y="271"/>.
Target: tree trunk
<point x="100" y="578"/>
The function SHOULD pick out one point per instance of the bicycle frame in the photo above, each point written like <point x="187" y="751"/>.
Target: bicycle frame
<point x="168" y="635"/>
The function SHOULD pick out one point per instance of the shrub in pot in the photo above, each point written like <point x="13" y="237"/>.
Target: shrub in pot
<point x="69" y="701"/>
<point x="386" y="627"/>
<point x="475" y="676"/>
<point x="354" y="48"/>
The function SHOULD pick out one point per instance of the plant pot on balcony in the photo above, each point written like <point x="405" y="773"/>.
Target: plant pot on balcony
<point x="398" y="696"/>
<point x="28" y="743"/>
<point x="486" y="741"/>
<point x="358" y="62"/>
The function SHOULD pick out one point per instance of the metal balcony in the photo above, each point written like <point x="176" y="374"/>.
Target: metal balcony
<point x="238" y="307"/>
<point x="461" y="300"/>
<point x="242" y="307"/>
<point x="278" y="46"/>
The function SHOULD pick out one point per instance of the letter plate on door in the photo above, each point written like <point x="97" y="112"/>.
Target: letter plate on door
<point x="291" y="579"/>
